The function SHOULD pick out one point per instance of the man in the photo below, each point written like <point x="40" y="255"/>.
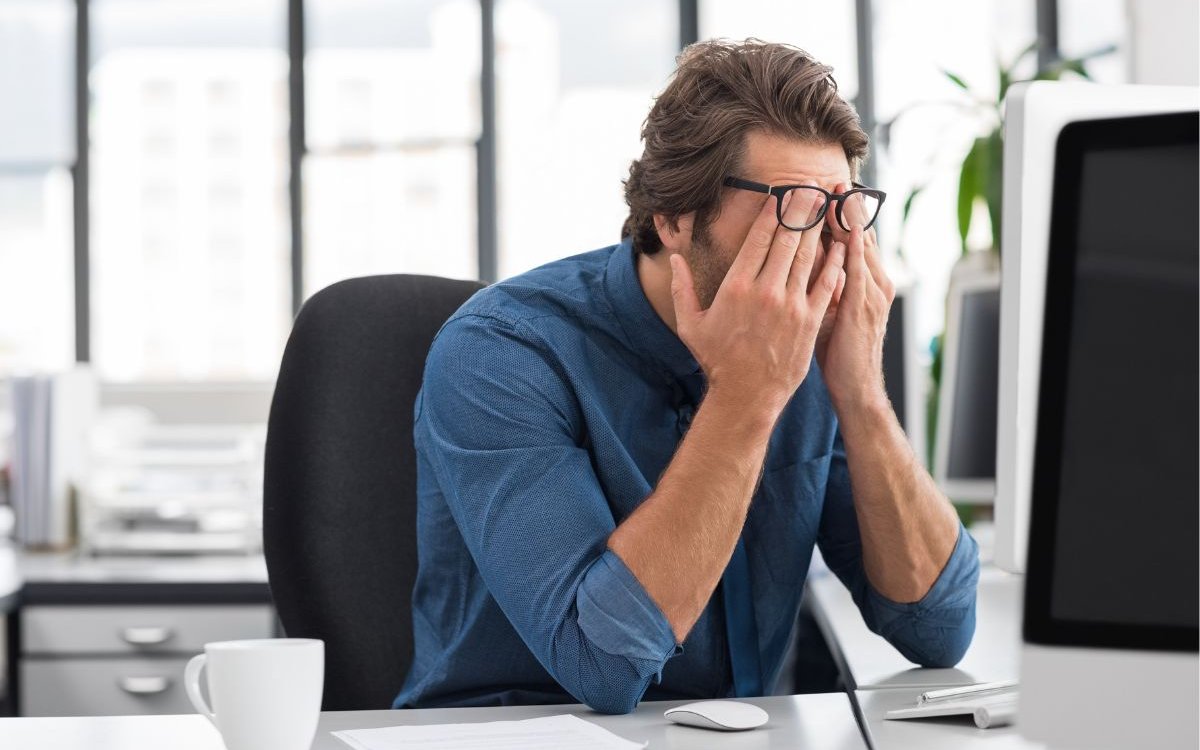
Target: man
<point x="625" y="458"/>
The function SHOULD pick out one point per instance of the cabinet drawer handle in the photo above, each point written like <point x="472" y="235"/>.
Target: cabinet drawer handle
<point x="144" y="685"/>
<point x="146" y="636"/>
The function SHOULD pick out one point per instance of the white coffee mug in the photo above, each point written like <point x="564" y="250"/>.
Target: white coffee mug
<point x="266" y="693"/>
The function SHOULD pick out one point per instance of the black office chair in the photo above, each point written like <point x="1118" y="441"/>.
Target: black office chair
<point x="339" y="494"/>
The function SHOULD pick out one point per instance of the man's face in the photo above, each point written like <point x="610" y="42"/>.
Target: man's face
<point x="771" y="160"/>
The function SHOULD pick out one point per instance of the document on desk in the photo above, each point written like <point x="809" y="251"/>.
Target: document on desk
<point x="565" y="732"/>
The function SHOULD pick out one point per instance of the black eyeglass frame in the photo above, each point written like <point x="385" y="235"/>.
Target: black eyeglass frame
<point x="781" y="190"/>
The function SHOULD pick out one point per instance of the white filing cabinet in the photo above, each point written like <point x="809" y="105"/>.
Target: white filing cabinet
<point x="111" y="636"/>
<point x="111" y="660"/>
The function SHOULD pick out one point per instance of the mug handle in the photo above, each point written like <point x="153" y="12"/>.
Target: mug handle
<point x="191" y="681"/>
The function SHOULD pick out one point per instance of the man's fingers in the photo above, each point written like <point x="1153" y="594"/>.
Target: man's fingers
<point x="783" y="247"/>
<point x="809" y="252"/>
<point x="818" y="263"/>
<point x="828" y="280"/>
<point x="753" y="254"/>
<point x="683" y="292"/>
<point x="789" y="248"/>
<point x="875" y="266"/>
<point x="857" y="272"/>
<point x="854" y="208"/>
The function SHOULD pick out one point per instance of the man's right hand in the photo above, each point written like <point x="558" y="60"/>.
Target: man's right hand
<point x="755" y="342"/>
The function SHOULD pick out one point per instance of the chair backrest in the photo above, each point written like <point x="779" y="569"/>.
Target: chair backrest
<point x="339" y="491"/>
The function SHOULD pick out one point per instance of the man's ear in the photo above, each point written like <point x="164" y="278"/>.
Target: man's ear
<point x="675" y="236"/>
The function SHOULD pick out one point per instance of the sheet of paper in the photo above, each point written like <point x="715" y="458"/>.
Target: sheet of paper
<point x="564" y="732"/>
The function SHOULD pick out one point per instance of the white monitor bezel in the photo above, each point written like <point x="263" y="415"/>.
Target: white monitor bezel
<point x="973" y="491"/>
<point x="1035" y="113"/>
<point x="914" y="371"/>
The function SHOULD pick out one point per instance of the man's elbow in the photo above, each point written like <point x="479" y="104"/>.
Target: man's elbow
<point x="957" y="644"/>
<point x="603" y="682"/>
<point x="614" y="687"/>
<point x="953" y="646"/>
<point x="612" y="703"/>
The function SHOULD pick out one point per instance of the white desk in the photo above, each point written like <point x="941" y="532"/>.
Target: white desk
<point x="868" y="662"/>
<point x="943" y="733"/>
<point x="806" y="721"/>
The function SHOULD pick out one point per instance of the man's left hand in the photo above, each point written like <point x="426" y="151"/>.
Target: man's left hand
<point x="853" y="347"/>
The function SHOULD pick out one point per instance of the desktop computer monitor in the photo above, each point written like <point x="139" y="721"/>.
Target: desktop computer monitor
<point x="1111" y="597"/>
<point x="902" y="368"/>
<point x="965" y="443"/>
<point x="1034" y="115"/>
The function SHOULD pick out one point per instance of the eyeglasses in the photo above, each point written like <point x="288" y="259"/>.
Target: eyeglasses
<point x="861" y="203"/>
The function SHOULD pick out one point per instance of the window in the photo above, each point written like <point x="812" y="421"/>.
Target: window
<point x="190" y="227"/>
<point x="574" y="81"/>
<point x="1085" y="26"/>
<point x="37" y="147"/>
<point x="392" y="118"/>
<point x="36" y="304"/>
<point x="824" y="30"/>
<point x="189" y="204"/>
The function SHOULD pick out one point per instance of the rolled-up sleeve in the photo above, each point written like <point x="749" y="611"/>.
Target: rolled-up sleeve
<point x="500" y="428"/>
<point x="932" y="632"/>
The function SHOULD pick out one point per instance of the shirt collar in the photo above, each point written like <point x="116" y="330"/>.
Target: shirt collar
<point x="650" y="337"/>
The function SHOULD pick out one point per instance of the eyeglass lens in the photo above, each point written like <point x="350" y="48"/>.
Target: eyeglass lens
<point x="803" y="210"/>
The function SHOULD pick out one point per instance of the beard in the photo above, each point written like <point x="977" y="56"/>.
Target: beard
<point x="709" y="262"/>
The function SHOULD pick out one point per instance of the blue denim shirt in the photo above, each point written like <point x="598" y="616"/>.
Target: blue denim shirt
<point x="551" y="404"/>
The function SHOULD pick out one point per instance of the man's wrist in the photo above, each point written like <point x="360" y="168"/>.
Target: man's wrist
<point x="742" y="410"/>
<point x="866" y="410"/>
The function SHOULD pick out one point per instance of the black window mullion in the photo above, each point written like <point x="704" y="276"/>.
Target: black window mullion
<point x="80" y="186"/>
<point x="864" y="102"/>
<point x="1047" y="33"/>
<point x="485" y="149"/>
<point x="296" y="145"/>
<point x="689" y="22"/>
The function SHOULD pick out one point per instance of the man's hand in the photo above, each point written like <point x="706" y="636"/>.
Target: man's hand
<point x="756" y="340"/>
<point x="823" y="252"/>
<point x="853" y="365"/>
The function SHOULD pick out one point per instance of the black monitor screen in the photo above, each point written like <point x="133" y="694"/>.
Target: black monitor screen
<point x="895" y="354"/>
<point x="972" y="448"/>
<point x="1116" y="495"/>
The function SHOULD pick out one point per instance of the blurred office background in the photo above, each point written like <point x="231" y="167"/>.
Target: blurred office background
<point x="178" y="176"/>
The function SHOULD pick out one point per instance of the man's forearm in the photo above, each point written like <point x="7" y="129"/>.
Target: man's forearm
<point x="908" y="526"/>
<point x="679" y="540"/>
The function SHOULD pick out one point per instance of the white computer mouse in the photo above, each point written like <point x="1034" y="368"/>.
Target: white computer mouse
<point x="728" y="716"/>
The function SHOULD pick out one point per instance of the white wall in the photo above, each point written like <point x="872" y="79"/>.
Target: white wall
<point x="1165" y="41"/>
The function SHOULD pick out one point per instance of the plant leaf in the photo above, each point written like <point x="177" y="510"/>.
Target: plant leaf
<point x="993" y="183"/>
<point x="968" y="190"/>
<point x="1076" y="67"/>
<point x="908" y="203"/>
<point x="958" y="81"/>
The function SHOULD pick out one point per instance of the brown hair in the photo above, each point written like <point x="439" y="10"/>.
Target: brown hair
<point x="696" y="131"/>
